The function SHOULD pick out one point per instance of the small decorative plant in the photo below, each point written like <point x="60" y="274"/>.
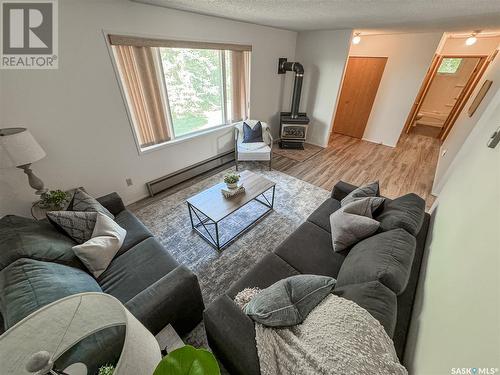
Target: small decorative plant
<point x="54" y="199"/>
<point x="231" y="179"/>
<point x="106" y="370"/>
<point x="188" y="361"/>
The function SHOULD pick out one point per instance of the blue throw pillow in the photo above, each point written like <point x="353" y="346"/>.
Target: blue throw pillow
<point x="289" y="301"/>
<point x="27" y="285"/>
<point x="252" y="135"/>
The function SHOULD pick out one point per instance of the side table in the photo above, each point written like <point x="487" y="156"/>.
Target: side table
<point x="169" y="340"/>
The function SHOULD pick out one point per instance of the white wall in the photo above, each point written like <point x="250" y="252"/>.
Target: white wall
<point x="409" y="57"/>
<point x="456" y="320"/>
<point x="483" y="46"/>
<point x="78" y="115"/>
<point x="323" y="54"/>
<point x="464" y="125"/>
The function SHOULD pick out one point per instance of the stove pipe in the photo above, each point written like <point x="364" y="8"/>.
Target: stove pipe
<point x="284" y="66"/>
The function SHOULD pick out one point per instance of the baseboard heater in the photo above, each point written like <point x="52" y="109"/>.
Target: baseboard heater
<point x="170" y="180"/>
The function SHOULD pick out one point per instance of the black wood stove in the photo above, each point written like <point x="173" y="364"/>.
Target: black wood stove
<point x="293" y="124"/>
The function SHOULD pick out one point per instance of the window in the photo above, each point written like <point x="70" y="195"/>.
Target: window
<point x="449" y="65"/>
<point x="174" y="89"/>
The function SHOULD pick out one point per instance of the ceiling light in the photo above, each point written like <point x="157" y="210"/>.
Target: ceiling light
<point x="471" y="40"/>
<point x="356" y="38"/>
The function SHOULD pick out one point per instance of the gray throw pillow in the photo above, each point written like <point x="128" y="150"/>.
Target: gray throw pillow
<point x="289" y="301"/>
<point x="353" y="222"/>
<point x="406" y="212"/>
<point x="85" y="203"/>
<point x="78" y="225"/>
<point x="369" y="190"/>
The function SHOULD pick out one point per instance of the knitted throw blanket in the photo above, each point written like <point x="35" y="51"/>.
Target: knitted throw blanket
<point x="337" y="337"/>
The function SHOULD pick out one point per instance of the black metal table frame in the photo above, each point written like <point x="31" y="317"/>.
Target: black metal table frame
<point x="201" y="227"/>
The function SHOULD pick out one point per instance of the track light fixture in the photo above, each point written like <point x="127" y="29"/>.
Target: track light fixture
<point x="472" y="39"/>
<point x="357" y="38"/>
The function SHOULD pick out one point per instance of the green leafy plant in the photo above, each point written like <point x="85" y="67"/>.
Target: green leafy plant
<point x="106" y="370"/>
<point x="54" y="199"/>
<point x="188" y="361"/>
<point x="231" y="178"/>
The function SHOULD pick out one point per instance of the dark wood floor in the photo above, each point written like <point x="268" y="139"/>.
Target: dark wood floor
<point x="409" y="167"/>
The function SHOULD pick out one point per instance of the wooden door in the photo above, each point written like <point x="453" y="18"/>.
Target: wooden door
<point x="361" y="81"/>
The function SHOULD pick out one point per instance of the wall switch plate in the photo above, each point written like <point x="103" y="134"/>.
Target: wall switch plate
<point x="129" y="181"/>
<point x="494" y="139"/>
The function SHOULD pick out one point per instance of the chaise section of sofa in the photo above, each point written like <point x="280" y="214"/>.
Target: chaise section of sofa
<point x="308" y="250"/>
<point x="143" y="275"/>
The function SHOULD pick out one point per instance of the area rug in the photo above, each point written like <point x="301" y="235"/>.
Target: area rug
<point x="168" y="219"/>
<point x="298" y="155"/>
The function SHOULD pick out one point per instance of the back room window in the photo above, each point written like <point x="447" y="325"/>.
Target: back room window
<point x="449" y="65"/>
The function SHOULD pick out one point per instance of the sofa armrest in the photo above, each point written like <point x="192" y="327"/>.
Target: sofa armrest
<point x="231" y="335"/>
<point x="174" y="299"/>
<point x="112" y="202"/>
<point x="342" y="189"/>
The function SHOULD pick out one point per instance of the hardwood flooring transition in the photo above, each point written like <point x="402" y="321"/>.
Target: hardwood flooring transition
<point x="407" y="168"/>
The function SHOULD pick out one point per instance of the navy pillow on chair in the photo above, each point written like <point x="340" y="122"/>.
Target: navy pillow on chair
<point x="252" y="135"/>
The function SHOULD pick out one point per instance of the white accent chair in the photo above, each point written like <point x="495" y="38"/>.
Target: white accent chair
<point x="257" y="151"/>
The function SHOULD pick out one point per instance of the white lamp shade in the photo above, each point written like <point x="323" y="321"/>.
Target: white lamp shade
<point x="18" y="147"/>
<point x="57" y="327"/>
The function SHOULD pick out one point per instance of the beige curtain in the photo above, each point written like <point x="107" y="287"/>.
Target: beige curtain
<point x="139" y="75"/>
<point x="240" y="67"/>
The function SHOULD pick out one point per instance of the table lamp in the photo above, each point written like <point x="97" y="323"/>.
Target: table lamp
<point x="19" y="149"/>
<point x="34" y="344"/>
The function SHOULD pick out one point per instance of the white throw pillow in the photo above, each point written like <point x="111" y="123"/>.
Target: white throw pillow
<point x="98" y="252"/>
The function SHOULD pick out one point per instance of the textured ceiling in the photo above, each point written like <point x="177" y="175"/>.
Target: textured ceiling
<point x="343" y="14"/>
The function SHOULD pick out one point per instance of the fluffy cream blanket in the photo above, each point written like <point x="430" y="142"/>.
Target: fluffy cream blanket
<point x="337" y="337"/>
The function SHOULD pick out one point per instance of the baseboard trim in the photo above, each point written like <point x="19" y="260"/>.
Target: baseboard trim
<point x="166" y="182"/>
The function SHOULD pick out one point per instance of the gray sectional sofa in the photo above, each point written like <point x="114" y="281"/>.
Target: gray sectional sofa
<point x="38" y="266"/>
<point x="360" y="272"/>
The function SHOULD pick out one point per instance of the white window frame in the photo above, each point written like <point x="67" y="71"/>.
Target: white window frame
<point x="175" y="141"/>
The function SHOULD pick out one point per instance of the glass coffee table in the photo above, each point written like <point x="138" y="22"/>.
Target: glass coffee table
<point x="208" y="208"/>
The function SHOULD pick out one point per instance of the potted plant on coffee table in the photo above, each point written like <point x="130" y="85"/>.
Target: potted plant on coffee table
<point x="231" y="179"/>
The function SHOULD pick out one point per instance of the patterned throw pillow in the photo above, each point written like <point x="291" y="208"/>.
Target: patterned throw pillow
<point x="85" y="203"/>
<point x="78" y="225"/>
<point x="98" y="236"/>
<point x="288" y="302"/>
<point x="353" y="222"/>
<point x="365" y="191"/>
